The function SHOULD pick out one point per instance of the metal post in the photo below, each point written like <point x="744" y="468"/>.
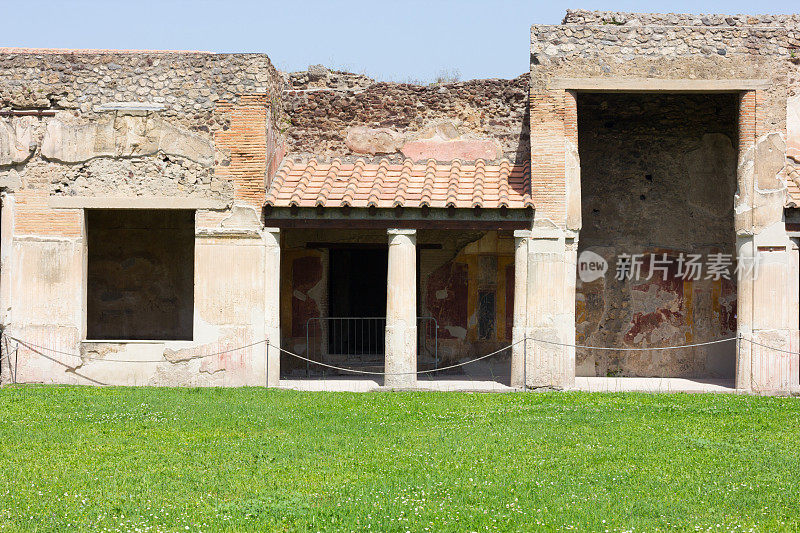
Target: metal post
<point x="436" y="344"/>
<point x="525" y="363"/>
<point x="308" y="348"/>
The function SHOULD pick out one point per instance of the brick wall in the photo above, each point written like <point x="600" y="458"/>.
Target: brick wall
<point x="747" y="121"/>
<point x="252" y="146"/>
<point x="32" y="216"/>
<point x="548" y="187"/>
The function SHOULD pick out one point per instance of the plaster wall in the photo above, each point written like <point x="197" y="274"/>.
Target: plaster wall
<point x="48" y="310"/>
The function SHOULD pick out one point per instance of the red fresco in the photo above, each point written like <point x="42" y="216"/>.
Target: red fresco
<point x="451" y="310"/>
<point x="306" y="273"/>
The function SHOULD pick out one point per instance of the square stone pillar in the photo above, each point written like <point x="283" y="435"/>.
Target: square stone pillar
<point x="6" y="244"/>
<point x="766" y="356"/>
<point x="767" y="299"/>
<point x="552" y="256"/>
<point x="401" y="309"/>
<point x="272" y="314"/>
<point x="794" y="315"/>
<point x="518" y="349"/>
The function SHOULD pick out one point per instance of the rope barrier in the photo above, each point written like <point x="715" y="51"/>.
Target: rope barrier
<point x="31" y="346"/>
<point x="583" y="346"/>
<point x="34" y="347"/>
<point x="395" y="373"/>
<point x="770" y="347"/>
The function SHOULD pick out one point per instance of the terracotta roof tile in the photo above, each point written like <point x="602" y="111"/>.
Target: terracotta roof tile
<point x="452" y="188"/>
<point x="503" y="193"/>
<point x="480" y="174"/>
<point x="352" y="184"/>
<point x="376" y="191"/>
<point x="427" y="188"/>
<point x="278" y="181"/>
<point x="385" y="184"/>
<point x="402" y="184"/>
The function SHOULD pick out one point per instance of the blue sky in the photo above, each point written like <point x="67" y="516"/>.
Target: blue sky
<point x="398" y="41"/>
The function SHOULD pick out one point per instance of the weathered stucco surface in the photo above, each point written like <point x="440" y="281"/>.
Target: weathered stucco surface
<point x="16" y="140"/>
<point x="167" y="129"/>
<point x="793" y="128"/>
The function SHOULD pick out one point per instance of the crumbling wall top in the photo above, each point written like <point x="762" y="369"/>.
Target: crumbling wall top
<point x="333" y="114"/>
<point x="187" y="85"/>
<point x="622" y="18"/>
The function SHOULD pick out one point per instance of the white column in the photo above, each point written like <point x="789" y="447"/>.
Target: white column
<point x="272" y="313"/>
<point x="768" y="316"/>
<point x="518" y="350"/>
<point x="765" y="297"/>
<point x="401" y="309"/>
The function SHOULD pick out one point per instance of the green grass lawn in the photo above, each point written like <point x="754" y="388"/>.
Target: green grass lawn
<point x="143" y="459"/>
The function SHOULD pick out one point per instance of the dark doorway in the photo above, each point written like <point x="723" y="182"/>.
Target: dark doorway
<point x="357" y="296"/>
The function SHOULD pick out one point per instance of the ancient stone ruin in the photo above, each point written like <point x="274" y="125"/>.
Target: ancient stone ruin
<point x="165" y="214"/>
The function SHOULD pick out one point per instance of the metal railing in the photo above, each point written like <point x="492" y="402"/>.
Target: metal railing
<point x="428" y="339"/>
<point x="361" y="341"/>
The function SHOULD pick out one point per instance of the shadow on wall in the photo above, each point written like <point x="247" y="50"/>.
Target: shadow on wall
<point x="523" y="152"/>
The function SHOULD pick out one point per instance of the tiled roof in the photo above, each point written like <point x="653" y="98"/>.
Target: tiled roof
<point x="792" y="178"/>
<point x="407" y="184"/>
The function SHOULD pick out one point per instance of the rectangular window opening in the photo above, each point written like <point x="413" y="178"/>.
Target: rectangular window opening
<point x="140" y="274"/>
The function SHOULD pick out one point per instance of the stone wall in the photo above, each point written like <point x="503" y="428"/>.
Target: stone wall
<point x="658" y="176"/>
<point x="188" y="85"/>
<point x="622" y="43"/>
<point x="137" y="129"/>
<point x="335" y="114"/>
<point x="145" y="122"/>
<point x="619" y="18"/>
